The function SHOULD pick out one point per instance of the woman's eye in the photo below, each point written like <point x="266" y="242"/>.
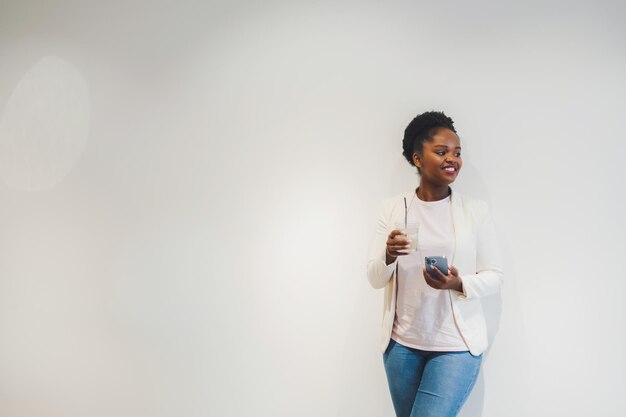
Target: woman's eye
<point x="458" y="154"/>
<point x="440" y="153"/>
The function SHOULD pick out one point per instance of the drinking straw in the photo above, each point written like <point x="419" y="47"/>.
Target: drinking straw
<point x="405" y="213"/>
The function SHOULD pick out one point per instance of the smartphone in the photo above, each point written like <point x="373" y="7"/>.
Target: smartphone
<point x="439" y="262"/>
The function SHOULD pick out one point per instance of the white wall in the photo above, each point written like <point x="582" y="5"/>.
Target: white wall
<point x="189" y="191"/>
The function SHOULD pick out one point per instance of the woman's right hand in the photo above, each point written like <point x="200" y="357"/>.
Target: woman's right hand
<point x="396" y="241"/>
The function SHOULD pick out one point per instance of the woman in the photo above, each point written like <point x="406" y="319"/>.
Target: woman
<point x="434" y="330"/>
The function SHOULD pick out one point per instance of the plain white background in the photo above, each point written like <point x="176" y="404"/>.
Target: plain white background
<point x="189" y="190"/>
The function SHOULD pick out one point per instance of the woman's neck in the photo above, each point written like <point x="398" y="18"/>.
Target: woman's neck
<point x="432" y="193"/>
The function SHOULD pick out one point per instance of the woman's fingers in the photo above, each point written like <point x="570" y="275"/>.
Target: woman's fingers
<point x="395" y="233"/>
<point x="439" y="275"/>
<point x="454" y="271"/>
<point x="397" y="238"/>
<point x="433" y="282"/>
<point x="397" y="241"/>
<point x="440" y="281"/>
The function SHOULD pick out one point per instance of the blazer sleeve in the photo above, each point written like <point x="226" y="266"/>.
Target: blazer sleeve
<point x="378" y="272"/>
<point x="489" y="276"/>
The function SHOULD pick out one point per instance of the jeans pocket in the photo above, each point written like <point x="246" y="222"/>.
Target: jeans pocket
<point x="389" y="347"/>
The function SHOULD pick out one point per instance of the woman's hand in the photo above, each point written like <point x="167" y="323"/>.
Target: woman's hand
<point x="452" y="281"/>
<point x="396" y="241"/>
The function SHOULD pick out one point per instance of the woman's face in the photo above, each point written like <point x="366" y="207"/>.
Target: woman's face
<point x="440" y="159"/>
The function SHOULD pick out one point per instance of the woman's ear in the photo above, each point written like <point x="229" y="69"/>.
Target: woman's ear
<point x="417" y="161"/>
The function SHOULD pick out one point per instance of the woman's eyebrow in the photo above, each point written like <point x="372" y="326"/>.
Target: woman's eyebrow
<point x="444" y="146"/>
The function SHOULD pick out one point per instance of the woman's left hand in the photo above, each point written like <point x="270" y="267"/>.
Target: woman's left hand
<point x="452" y="281"/>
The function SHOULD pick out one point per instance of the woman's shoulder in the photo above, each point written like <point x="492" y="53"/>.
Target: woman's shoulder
<point x="475" y="206"/>
<point x="468" y="200"/>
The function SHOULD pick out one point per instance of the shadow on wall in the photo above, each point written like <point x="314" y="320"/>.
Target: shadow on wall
<point x="44" y="126"/>
<point x="500" y="309"/>
<point x="492" y="305"/>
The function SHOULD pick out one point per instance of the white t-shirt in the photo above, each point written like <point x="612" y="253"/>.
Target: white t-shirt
<point x="424" y="318"/>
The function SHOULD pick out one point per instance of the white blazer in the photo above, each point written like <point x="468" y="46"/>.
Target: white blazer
<point x="476" y="256"/>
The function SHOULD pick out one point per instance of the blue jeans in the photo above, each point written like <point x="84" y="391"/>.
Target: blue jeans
<point x="429" y="384"/>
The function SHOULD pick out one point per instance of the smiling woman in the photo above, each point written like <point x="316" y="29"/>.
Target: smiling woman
<point x="434" y="331"/>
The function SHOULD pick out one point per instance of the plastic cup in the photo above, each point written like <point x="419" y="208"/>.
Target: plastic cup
<point x="410" y="231"/>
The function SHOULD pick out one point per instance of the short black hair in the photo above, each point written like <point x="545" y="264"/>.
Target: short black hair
<point x="420" y="129"/>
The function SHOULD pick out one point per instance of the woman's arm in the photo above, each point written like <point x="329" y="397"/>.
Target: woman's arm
<point x="378" y="271"/>
<point x="489" y="276"/>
